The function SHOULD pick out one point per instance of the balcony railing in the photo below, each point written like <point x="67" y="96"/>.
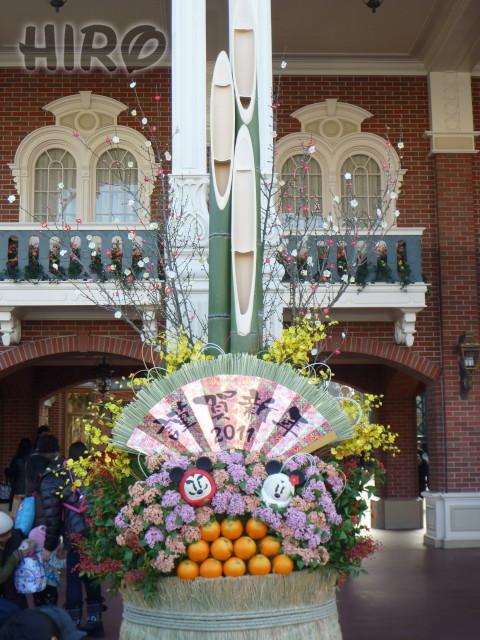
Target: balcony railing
<point x="99" y="253"/>
<point x="391" y="258"/>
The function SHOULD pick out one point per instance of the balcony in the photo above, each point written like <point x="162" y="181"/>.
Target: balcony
<point x="53" y="273"/>
<point x="42" y="277"/>
<point x="389" y="284"/>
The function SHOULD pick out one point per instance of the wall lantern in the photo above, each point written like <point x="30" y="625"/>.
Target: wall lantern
<point x="371" y="4"/>
<point x="103" y="376"/>
<point x="468" y="351"/>
<point x="57" y="4"/>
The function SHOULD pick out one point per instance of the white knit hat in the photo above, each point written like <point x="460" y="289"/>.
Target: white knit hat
<point x="6" y="523"/>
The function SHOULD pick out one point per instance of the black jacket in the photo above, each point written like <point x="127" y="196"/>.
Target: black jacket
<point x="16" y="474"/>
<point x="55" y="492"/>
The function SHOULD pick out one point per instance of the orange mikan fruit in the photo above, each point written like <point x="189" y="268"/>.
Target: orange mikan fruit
<point x="259" y="565"/>
<point x="188" y="570"/>
<point x="221" y="548"/>
<point x="234" y="567"/>
<point x="198" y="551"/>
<point x="256" y="529"/>
<point x="244" y="547"/>
<point x="269" y="546"/>
<point x="282" y="564"/>
<point x="231" y="529"/>
<point x="210" y="531"/>
<point x="211" y="568"/>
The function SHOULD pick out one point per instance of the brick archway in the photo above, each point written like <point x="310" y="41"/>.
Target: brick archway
<point x="401" y="358"/>
<point x="14" y="357"/>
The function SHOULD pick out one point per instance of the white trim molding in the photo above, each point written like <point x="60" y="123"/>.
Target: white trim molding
<point x="452" y="520"/>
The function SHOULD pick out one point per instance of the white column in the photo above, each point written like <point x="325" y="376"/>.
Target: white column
<point x="189" y="179"/>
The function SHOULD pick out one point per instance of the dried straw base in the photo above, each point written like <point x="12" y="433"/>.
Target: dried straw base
<point x="300" y="606"/>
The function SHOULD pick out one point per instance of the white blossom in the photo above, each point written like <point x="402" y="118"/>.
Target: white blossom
<point x="130" y="164"/>
<point x="144" y="120"/>
<point x="311" y="149"/>
<point x="148" y="143"/>
<point x="396" y="213"/>
<point x="11" y="198"/>
<point x="146" y="274"/>
<point x="294" y="253"/>
<point x="283" y="64"/>
<point x="89" y="237"/>
<point x="131" y="203"/>
<point x="131" y="236"/>
<point x="353" y="203"/>
<point x="153" y="225"/>
<point x="336" y="199"/>
<point x="400" y="145"/>
<point x="314" y="352"/>
<point x="379" y="213"/>
<point x="281" y="183"/>
<point x="127" y="272"/>
<point x="91" y="245"/>
<point x="63" y="252"/>
<point x="133" y="112"/>
<point x="117" y="314"/>
<point x="141" y="263"/>
<point x="327" y="273"/>
<point x="393" y="195"/>
<point x="348" y="176"/>
<point x="132" y="85"/>
<point x="60" y="185"/>
<point x="54" y="265"/>
<point x="115" y="139"/>
<point x="167" y="155"/>
<point x="171" y="274"/>
<point x="93" y="254"/>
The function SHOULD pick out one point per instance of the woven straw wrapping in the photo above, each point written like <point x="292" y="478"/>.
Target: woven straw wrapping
<point x="300" y="606"/>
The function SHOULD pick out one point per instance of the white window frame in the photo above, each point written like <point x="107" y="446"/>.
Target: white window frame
<point x="85" y="149"/>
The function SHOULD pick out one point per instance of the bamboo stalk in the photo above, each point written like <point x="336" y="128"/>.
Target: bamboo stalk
<point x="222" y="132"/>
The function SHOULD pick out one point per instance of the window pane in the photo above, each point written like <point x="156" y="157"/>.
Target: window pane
<point x="52" y="201"/>
<point x="117" y="183"/>
<point x="301" y="195"/>
<point x="364" y="185"/>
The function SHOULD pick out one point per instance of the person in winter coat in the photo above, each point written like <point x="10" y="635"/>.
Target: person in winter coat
<point x="40" y="484"/>
<point x="16" y="472"/>
<point x="10" y="557"/>
<point x="45" y="623"/>
<point x="65" y="514"/>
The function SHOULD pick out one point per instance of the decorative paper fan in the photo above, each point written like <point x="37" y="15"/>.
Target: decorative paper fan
<point x="233" y="402"/>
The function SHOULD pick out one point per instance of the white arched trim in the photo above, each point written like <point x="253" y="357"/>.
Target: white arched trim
<point x="331" y="158"/>
<point x="331" y="108"/>
<point x="85" y="151"/>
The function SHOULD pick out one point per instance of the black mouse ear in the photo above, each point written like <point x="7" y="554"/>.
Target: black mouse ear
<point x="297" y="478"/>
<point x="176" y="474"/>
<point x="273" y="467"/>
<point x="204" y="463"/>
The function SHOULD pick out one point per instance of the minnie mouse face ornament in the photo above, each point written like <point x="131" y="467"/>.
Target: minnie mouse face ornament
<point x="196" y="486"/>
<point x="279" y="488"/>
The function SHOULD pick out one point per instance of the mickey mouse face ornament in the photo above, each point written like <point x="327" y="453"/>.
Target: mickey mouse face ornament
<point x="279" y="488"/>
<point x="196" y="485"/>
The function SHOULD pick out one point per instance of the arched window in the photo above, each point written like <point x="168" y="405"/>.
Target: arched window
<point x="117" y="187"/>
<point x="361" y="178"/>
<point x="76" y="169"/>
<point x="55" y="190"/>
<point x="301" y="191"/>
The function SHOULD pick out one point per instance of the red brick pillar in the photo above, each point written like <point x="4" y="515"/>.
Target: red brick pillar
<point x="402" y="470"/>
<point x="453" y="422"/>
